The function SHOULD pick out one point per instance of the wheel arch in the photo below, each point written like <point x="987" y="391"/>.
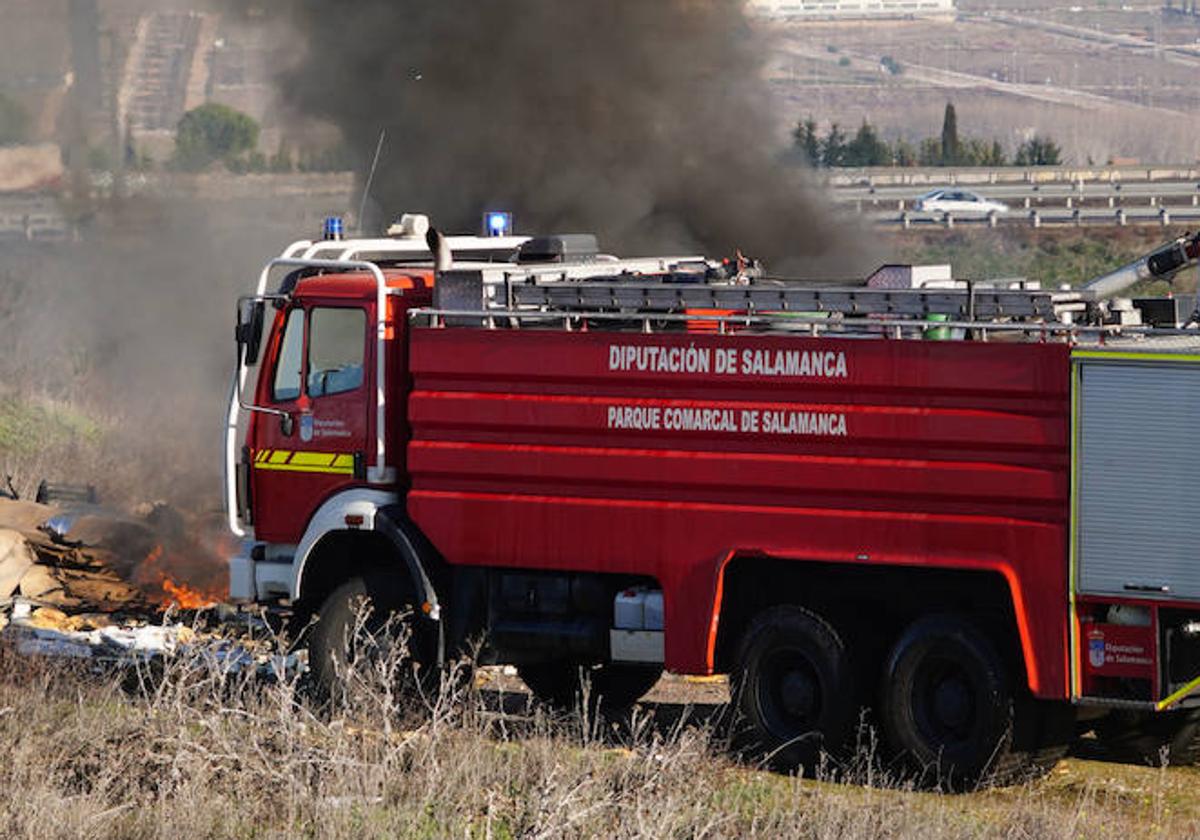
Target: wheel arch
<point x="840" y="592"/>
<point x="359" y="532"/>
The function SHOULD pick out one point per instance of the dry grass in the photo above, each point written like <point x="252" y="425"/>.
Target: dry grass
<point x="191" y="751"/>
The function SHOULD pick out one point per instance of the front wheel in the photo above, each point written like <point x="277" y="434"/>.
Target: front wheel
<point x="793" y="688"/>
<point x="611" y="687"/>
<point x="366" y="630"/>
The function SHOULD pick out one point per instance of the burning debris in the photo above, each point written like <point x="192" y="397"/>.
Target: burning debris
<point x="147" y="554"/>
<point x="84" y="582"/>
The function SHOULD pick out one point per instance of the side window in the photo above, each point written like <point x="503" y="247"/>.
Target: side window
<point x="335" y="351"/>
<point x="288" y="373"/>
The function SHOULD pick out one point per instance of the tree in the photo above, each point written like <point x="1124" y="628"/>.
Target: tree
<point x="807" y="141"/>
<point x="998" y="158"/>
<point x="1038" y="151"/>
<point x="903" y="153"/>
<point x="976" y="152"/>
<point x="213" y="132"/>
<point x="930" y="152"/>
<point x="866" y="149"/>
<point x="14" y="122"/>
<point x="950" y="154"/>
<point x="833" y="147"/>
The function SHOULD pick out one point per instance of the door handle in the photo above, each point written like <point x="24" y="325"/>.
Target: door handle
<point x="287" y="424"/>
<point x="1147" y="587"/>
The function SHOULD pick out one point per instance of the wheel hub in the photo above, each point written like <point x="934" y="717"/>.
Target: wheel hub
<point x="952" y="703"/>
<point x="798" y="694"/>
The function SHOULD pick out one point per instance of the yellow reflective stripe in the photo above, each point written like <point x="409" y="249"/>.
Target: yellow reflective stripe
<point x="307" y="469"/>
<point x="325" y="463"/>
<point x="1179" y="695"/>
<point x="262" y="456"/>
<point x="1135" y="357"/>
<point x="1076" y="679"/>
<point x="313" y="459"/>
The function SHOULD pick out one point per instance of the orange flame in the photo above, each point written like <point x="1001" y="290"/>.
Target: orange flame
<point x="151" y="574"/>
<point x="186" y="597"/>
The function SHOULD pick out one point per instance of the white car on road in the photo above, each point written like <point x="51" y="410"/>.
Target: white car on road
<point x="958" y="202"/>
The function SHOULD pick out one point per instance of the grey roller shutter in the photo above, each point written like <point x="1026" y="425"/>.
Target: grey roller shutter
<point x="1139" y="479"/>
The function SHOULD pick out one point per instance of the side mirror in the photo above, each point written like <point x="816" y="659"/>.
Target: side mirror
<point x="250" y="329"/>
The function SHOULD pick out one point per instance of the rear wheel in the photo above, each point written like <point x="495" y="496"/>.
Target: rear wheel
<point x="947" y="703"/>
<point x="1148" y="738"/>
<point x="611" y="687"/>
<point x="793" y="688"/>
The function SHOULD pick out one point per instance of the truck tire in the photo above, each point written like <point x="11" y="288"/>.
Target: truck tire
<point x="1151" y="738"/>
<point x="333" y="645"/>
<point x="793" y="688"/>
<point x="612" y="687"/>
<point x="947" y="704"/>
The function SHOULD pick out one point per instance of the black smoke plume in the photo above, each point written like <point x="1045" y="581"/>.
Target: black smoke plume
<point x="645" y="121"/>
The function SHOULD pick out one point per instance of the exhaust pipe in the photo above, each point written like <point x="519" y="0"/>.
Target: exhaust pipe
<point x="443" y="257"/>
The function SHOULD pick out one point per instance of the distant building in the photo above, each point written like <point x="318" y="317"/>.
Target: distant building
<point x="824" y="9"/>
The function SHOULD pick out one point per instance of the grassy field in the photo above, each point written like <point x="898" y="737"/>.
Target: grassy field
<point x="194" y="752"/>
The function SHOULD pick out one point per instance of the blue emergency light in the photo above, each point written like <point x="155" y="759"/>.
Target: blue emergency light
<point x="334" y="229"/>
<point x="498" y="224"/>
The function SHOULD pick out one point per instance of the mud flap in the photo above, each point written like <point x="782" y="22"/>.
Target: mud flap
<point x="392" y="523"/>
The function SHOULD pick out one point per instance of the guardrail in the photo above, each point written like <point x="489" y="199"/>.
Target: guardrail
<point x="931" y="176"/>
<point x="1045" y="217"/>
<point x="33" y="219"/>
<point x="1029" y="195"/>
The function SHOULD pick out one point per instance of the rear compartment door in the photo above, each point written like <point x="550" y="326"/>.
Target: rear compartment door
<point x="1137" y="474"/>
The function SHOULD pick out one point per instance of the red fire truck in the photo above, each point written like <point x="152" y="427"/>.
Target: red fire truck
<point x="602" y="468"/>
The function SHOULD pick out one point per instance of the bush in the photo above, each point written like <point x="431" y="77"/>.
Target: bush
<point x="1038" y="151"/>
<point x="213" y="132"/>
<point x="333" y="159"/>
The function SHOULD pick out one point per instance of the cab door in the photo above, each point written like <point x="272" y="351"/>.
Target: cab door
<point x="317" y="445"/>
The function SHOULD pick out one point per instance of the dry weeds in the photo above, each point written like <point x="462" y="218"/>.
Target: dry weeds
<point x="193" y="751"/>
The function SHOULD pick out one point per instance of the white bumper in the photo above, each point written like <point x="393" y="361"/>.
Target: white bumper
<point x="261" y="580"/>
<point x="241" y="573"/>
